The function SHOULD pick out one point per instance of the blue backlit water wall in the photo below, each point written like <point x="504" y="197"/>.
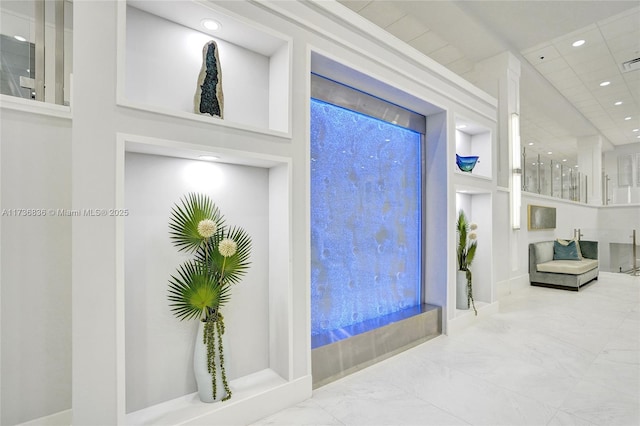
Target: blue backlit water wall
<point x="365" y="218"/>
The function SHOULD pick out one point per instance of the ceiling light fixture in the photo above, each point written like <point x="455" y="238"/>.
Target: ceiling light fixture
<point x="605" y="83"/>
<point x="618" y="103"/>
<point x="549" y="153"/>
<point x="530" y="143"/>
<point x="627" y="118"/>
<point x="636" y="130"/>
<point x="211" y="25"/>
<point x="208" y="157"/>
<point x="578" y="43"/>
<point x="564" y="160"/>
<point x="461" y="126"/>
<point x="19" y="38"/>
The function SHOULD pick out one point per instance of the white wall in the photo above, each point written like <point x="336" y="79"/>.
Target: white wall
<point x="569" y="216"/>
<point x="614" y="231"/>
<point x="164" y="60"/>
<point x="95" y="258"/>
<point x="506" y="252"/>
<point x="35" y="374"/>
<point x="623" y="194"/>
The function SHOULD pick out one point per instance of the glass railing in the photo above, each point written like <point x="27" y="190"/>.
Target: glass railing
<point x="545" y="176"/>
<point x="35" y="49"/>
<point x="618" y="250"/>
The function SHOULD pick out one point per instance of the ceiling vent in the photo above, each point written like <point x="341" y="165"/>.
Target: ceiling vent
<point x="631" y="65"/>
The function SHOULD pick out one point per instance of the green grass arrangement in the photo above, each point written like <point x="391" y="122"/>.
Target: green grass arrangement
<point x="466" y="251"/>
<point x="201" y="286"/>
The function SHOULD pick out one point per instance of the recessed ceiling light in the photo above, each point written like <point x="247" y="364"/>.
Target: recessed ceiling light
<point x="549" y="153"/>
<point x="578" y="43"/>
<point x="605" y="83"/>
<point x="628" y="118"/>
<point x="208" y="157"/>
<point x="211" y="25"/>
<point x="636" y="130"/>
<point x="564" y="160"/>
<point x="461" y="126"/>
<point x="530" y="143"/>
<point x="618" y="103"/>
<point x="19" y="38"/>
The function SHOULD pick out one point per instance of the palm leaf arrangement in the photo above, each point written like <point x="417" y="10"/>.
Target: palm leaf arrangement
<point x="202" y="285"/>
<point x="466" y="251"/>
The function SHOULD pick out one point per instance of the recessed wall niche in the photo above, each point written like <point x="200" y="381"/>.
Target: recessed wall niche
<point x="163" y="57"/>
<point x="477" y="206"/>
<point x="158" y="355"/>
<point x="474" y="140"/>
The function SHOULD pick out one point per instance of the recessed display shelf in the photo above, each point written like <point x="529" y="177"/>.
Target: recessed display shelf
<point x="151" y="338"/>
<point x="477" y="205"/>
<point x="161" y="54"/>
<point x="473" y="150"/>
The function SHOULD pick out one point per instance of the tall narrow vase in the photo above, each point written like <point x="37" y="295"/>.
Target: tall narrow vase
<point x="461" y="290"/>
<point x="202" y="375"/>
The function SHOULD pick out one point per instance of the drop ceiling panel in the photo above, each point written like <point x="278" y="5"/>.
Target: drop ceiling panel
<point x="459" y="34"/>
<point x="590" y="34"/>
<point x="428" y="42"/>
<point x="593" y="78"/>
<point x="620" y="26"/>
<point x="588" y="56"/>
<point x="552" y="65"/>
<point x="625" y="44"/>
<point x="579" y="96"/>
<point x="446" y="55"/>
<point x="382" y="13"/>
<point x="547" y="52"/>
<point x="407" y="28"/>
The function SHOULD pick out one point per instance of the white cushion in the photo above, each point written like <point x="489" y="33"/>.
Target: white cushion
<point x="572" y="267"/>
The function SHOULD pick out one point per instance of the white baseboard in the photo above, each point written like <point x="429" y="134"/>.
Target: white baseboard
<point x="61" y="418"/>
<point x="464" y="319"/>
<point x="512" y="285"/>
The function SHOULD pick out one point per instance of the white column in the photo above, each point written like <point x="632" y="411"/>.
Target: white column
<point x="94" y="238"/>
<point x="500" y="77"/>
<point x="590" y="165"/>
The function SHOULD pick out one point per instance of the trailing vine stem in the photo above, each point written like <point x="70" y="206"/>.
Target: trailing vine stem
<point x="225" y="384"/>
<point x="213" y="325"/>
<point x="470" y="301"/>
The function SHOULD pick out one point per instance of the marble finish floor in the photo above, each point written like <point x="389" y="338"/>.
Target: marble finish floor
<point x="549" y="357"/>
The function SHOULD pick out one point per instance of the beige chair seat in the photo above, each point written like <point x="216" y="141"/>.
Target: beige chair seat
<point x="573" y="267"/>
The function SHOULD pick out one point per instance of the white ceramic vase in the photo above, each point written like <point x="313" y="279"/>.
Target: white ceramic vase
<point x="461" y="290"/>
<point x="202" y="375"/>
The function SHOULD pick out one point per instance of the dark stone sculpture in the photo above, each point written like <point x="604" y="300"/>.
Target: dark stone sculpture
<point x="209" y="98"/>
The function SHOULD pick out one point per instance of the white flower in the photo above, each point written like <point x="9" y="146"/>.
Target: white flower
<point x="473" y="226"/>
<point x="227" y="247"/>
<point x="206" y="228"/>
<point x="472" y="236"/>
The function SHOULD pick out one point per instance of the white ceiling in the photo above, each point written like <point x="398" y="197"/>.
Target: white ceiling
<point x="561" y="98"/>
